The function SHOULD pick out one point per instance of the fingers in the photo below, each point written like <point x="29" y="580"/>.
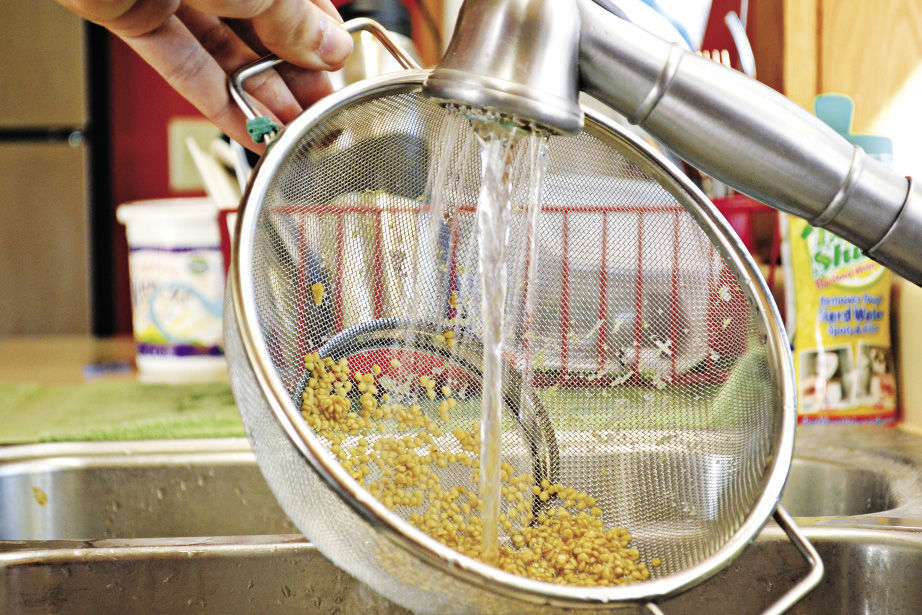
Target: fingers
<point x="308" y="86"/>
<point x="124" y="17"/>
<point x="194" y="50"/>
<point x="230" y="52"/>
<point x="300" y="31"/>
<point x="327" y="7"/>
<point x="180" y="58"/>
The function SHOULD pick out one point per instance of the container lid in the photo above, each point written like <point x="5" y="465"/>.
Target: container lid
<point x="159" y="210"/>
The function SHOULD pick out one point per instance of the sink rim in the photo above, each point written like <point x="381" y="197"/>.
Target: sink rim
<point x="126" y="551"/>
<point x="128" y="448"/>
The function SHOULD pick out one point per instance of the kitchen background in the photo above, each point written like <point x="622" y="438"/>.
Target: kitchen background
<point x="98" y="517"/>
<point x="85" y="125"/>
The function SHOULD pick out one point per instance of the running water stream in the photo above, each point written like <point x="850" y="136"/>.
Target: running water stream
<point x="494" y="212"/>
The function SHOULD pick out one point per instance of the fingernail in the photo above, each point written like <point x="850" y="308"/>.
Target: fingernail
<point x="335" y="43"/>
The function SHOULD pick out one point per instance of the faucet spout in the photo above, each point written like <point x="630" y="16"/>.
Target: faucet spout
<point x="517" y="58"/>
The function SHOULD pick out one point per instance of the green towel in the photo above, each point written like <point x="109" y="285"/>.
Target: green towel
<point x="116" y="410"/>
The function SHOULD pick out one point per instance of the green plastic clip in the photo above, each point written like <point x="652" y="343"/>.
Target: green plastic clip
<point x="261" y="127"/>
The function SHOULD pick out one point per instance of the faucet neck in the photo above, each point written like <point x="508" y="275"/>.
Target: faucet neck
<point x="518" y="58"/>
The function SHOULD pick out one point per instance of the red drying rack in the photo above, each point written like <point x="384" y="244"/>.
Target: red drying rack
<point x="227" y="217"/>
<point x="747" y="217"/>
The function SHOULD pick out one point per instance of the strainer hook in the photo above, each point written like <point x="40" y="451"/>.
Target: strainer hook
<point x="803" y="587"/>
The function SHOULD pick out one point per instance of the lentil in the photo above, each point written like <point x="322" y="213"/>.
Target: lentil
<point x="565" y="543"/>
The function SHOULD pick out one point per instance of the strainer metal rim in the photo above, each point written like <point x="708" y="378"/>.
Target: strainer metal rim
<point x="400" y="532"/>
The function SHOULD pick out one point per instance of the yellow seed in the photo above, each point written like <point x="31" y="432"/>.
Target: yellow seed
<point x="317" y="291"/>
<point x="565" y="544"/>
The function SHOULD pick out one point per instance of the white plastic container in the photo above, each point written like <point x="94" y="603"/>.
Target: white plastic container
<point x="177" y="288"/>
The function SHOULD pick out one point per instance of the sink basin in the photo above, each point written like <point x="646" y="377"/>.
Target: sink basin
<point x="817" y="487"/>
<point x="181" y="488"/>
<point x="867" y="571"/>
<point x="136" y="490"/>
<point x="112" y="527"/>
<point x="266" y="574"/>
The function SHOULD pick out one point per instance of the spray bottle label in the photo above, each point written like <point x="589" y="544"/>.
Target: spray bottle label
<point x="841" y="340"/>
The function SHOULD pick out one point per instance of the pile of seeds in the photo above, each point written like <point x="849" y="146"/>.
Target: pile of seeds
<point x="402" y="455"/>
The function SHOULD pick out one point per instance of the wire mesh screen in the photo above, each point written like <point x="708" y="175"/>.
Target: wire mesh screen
<point x="637" y="392"/>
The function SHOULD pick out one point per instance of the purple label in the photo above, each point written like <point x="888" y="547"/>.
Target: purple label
<point x="174" y="249"/>
<point x="179" y="350"/>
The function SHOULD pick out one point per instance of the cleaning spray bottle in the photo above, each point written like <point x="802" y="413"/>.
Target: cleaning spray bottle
<point x="838" y="308"/>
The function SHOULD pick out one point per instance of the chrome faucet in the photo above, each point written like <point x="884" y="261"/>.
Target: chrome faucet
<point x="528" y="60"/>
<point x="515" y="57"/>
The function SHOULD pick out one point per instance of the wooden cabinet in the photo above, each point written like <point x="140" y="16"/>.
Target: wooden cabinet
<point x="871" y="51"/>
<point x="43" y="240"/>
<point x="868" y="50"/>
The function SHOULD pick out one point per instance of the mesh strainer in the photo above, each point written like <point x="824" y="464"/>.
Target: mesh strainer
<point x="644" y="363"/>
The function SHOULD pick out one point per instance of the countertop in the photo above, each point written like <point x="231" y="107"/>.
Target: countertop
<point x="65" y="359"/>
<point x="76" y="388"/>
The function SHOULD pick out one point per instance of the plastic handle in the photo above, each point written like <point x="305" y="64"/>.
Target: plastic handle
<point x="261" y="127"/>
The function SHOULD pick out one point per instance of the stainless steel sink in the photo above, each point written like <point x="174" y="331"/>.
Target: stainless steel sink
<point x="819" y="487"/>
<point x="135" y="490"/>
<point x="106" y="527"/>
<point x="224" y="576"/>
<point x="867" y="571"/>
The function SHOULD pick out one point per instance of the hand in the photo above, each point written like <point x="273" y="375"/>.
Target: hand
<point x="195" y="44"/>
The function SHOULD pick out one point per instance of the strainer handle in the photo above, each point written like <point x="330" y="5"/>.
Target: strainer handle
<point x="814" y="576"/>
<point x="261" y="127"/>
<point x="803" y="587"/>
